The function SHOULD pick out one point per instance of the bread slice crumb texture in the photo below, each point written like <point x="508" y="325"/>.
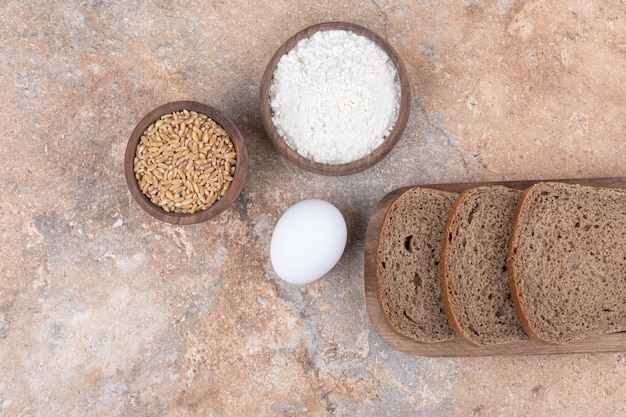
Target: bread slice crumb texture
<point x="474" y="276"/>
<point x="567" y="261"/>
<point x="407" y="263"/>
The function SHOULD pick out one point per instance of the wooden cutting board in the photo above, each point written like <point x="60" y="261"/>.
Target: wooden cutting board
<point x="615" y="342"/>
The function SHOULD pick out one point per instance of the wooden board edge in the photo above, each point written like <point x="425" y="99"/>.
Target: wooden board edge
<point x="615" y="342"/>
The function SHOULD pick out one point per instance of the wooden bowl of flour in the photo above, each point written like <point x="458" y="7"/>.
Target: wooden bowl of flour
<point x="332" y="111"/>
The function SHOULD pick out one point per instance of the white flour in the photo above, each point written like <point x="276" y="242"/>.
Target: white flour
<point x="335" y="96"/>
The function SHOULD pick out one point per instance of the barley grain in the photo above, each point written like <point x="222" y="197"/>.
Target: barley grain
<point x="177" y="159"/>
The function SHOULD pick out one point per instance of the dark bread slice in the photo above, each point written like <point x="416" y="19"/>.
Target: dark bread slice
<point x="567" y="261"/>
<point x="407" y="264"/>
<point x="474" y="279"/>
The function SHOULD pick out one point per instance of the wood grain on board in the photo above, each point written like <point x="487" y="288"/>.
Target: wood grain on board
<point x="615" y="342"/>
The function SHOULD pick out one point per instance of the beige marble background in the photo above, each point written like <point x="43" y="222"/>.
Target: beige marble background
<point x="105" y="311"/>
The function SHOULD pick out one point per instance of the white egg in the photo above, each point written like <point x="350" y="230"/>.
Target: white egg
<point x="308" y="241"/>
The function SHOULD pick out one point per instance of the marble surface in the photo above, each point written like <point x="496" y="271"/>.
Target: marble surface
<point x="105" y="311"/>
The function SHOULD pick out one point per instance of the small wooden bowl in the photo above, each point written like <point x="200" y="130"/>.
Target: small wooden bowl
<point x="220" y="205"/>
<point x="344" y="168"/>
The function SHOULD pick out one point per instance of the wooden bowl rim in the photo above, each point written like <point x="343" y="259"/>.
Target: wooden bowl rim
<point x="220" y="205"/>
<point x="349" y="167"/>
